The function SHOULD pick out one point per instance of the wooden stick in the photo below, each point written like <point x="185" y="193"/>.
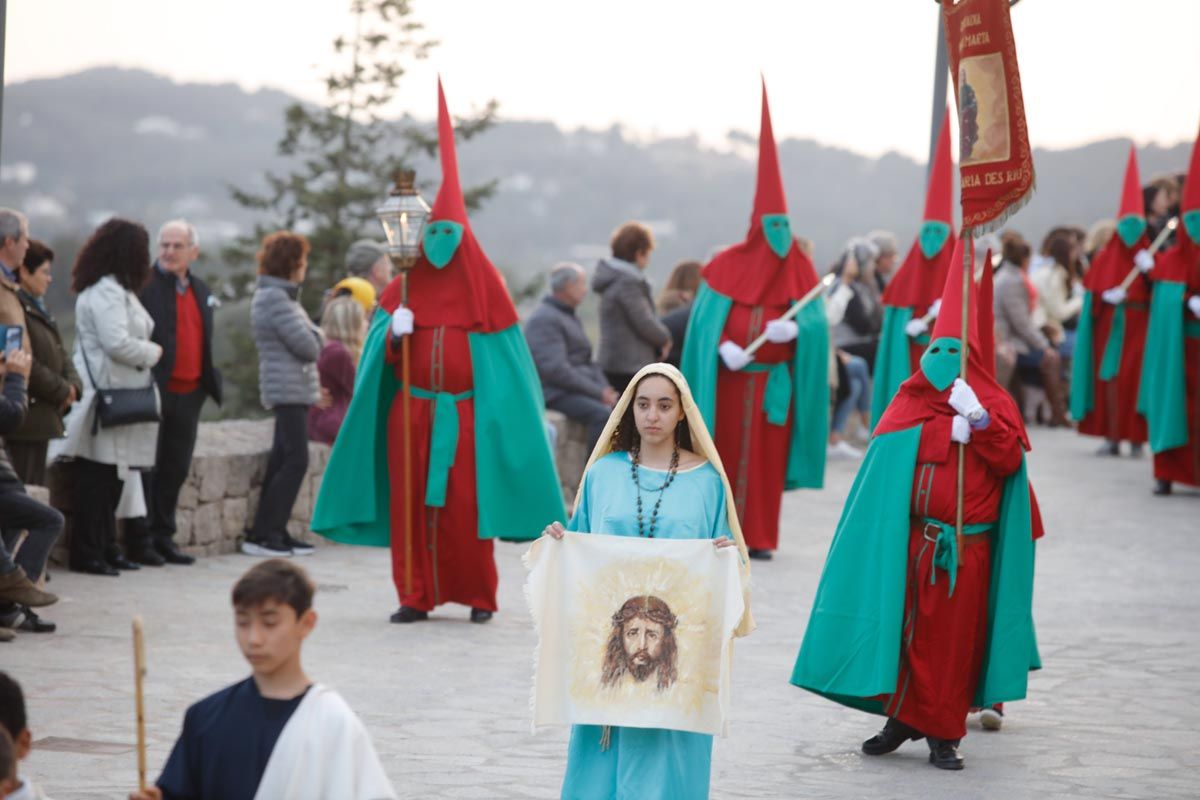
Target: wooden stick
<point x="796" y="308"/>
<point x="1158" y="242"/>
<point x="968" y="269"/>
<point x="139" y="673"/>
<point x="406" y="412"/>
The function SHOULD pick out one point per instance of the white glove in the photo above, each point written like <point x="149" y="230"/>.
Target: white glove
<point x="782" y="331"/>
<point x="960" y="429"/>
<point x="402" y="322"/>
<point x="935" y="308"/>
<point x="733" y="355"/>
<point x="1194" y="304"/>
<point x="916" y="327"/>
<point x="1144" y="261"/>
<point x="963" y="399"/>
<point x="1115" y="295"/>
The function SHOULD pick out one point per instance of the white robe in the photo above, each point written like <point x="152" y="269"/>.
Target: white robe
<point x="324" y="752"/>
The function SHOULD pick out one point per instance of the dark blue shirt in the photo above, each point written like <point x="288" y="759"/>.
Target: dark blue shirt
<point x="226" y="742"/>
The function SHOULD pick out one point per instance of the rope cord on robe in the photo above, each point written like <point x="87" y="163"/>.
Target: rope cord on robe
<point x="946" y="553"/>
<point x="443" y="441"/>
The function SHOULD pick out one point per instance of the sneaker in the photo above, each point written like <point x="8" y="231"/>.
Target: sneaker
<point x="299" y="548"/>
<point x="843" y="449"/>
<point x="991" y="719"/>
<point x="266" y="549"/>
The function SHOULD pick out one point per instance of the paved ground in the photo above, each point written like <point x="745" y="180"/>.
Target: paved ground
<point x="1114" y="714"/>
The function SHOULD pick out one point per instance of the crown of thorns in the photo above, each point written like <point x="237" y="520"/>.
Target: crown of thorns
<point x="649" y="607"/>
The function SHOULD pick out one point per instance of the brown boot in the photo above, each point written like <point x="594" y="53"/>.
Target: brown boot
<point x="7" y="634"/>
<point x="1056" y="394"/>
<point x="15" y="587"/>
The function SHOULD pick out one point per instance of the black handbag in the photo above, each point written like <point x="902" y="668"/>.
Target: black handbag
<point x="116" y="407"/>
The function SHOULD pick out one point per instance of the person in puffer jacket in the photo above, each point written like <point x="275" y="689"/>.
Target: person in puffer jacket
<point x="288" y="346"/>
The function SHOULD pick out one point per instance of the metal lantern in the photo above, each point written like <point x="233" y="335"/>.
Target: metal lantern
<point x="403" y="216"/>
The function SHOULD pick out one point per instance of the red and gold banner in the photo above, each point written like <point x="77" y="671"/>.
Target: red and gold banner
<point x="995" y="160"/>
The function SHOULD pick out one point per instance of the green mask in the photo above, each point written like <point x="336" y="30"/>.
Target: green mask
<point x="778" y="231"/>
<point x="1191" y="224"/>
<point x="932" y="237"/>
<point x="941" y="361"/>
<point x="1130" y="228"/>
<point x="440" y="240"/>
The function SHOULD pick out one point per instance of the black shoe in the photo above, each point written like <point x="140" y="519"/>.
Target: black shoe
<point x="146" y="556"/>
<point x="943" y="753"/>
<point x="894" y="734"/>
<point x="35" y="624"/>
<point x="1109" y="448"/>
<point x="266" y="549"/>
<point x="760" y="555"/>
<point x="121" y="562"/>
<point x="1162" y="488"/>
<point x="406" y="614"/>
<point x="94" y="568"/>
<point x="299" y="548"/>
<point x="480" y="615"/>
<point x="169" y="552"/>
<point x="1135" y="450"/>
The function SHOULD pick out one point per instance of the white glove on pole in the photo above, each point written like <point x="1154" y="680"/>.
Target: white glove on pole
<point x="781" y="331"/>
<point x="963" y="399"/>
<point x="1144" y="261"/>
<point x="960" y="429"/>
<point x="934" y="309"/>
<point x="916" y="327"/>
<point x="1194" y="304"/>
<point x="1114" y="296"/>
<point x="402" y="322"/>
<point x="733" y="355"/>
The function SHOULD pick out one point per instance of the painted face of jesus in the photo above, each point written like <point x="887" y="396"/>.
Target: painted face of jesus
<point x="657" y="409"/>
<point x="643" y="640"/>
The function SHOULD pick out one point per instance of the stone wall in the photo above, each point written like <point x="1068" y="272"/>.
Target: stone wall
<point x="221" y="494"/>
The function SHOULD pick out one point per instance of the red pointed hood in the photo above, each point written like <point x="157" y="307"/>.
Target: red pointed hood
<point x="987" y="316"/>
<point x="939" y="194"/>
<point x="1132" y="202"/>
<point x="1191" y="187"/>
<point x="468" y="293"/>
<point x="949" y="319"/>
<point x="768" y="194"/>
<point x="1182" y="261"/>
<point x="750" y="272"/>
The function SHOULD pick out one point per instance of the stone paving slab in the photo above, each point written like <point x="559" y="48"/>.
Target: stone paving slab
<point x="1114" y="714"/>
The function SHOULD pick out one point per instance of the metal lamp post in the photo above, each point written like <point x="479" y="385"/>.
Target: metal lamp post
<point x="403" y="216"/>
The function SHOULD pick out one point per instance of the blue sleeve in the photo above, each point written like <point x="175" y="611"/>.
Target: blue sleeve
<point x="720" y="523"/>
<point x="180" y="776"/>
<point x="580" y="520"/>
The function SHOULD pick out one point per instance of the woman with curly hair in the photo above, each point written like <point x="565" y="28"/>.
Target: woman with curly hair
<point x="113" y="350"/>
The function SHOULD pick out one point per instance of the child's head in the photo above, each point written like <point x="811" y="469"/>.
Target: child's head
<point x="8" y="765"/>
<point x="272" y="605"/>
<point x="12" y="716"/>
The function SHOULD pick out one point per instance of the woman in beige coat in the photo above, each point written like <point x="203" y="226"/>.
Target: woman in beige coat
<point x="113" y="351"/>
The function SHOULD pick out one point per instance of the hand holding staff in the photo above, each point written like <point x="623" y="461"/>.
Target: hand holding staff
<point x="139" y="673"/>
<point x="796" y="308"/>
<point x="1158" y="242"/>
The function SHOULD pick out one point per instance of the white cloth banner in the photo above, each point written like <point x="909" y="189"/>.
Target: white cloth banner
<point x="633" y="632"/>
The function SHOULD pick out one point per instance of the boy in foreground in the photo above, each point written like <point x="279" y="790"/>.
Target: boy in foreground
<point x="276" y="734"/>
<point x="14" y="725"/>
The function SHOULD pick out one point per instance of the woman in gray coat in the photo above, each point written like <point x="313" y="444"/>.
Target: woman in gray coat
<point x="631" y="335"/>
<point x="288" y="346"/>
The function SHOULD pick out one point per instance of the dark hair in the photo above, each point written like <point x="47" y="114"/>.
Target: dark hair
<point x="12" y="706"/>
<point x="626" y="437"/>
<point x="631" y="239"/>
<point x="1059" y="248"/>
<point x="684" y="280"/>
<point x="275" y="579"/>
<point x="119" y="247"/>
<point x="281" y="253"/>
<point x="1014" y="249"/>
<point x="8" y="757"/>
<point x="655" y="610"/>
<point x="37" y="254"/>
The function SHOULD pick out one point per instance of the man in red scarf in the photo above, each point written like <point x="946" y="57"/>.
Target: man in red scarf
<point x="1111" y="336"/>
<point x="769" y="414"/>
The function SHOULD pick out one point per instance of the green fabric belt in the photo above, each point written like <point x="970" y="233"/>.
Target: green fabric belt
<point x="777" y="398"/>
<point x="945" y="554"/>
<point x="443" y="441"/>
<point x="1191" y="328"/>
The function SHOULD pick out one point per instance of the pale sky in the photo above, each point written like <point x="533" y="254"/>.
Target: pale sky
<point x="851" y="73"/>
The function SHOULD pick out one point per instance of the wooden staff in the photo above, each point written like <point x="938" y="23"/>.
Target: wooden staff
<point x="968" y="270"/>
<point x="1158" y="242"/>
<point x="796" y="308"/>
<point x="139" y="673"/>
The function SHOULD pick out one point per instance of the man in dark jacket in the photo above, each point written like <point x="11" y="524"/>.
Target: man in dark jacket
<point x="182" y="308"/>
<point x="572" y="383"/>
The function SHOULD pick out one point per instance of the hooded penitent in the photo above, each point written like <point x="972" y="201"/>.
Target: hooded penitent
<point x="1110" y="339"/>
<point x="770" y="420"/>
<point x="897" y="531"/>
<point x="918" y="282"/>
<point x="482" y="466"/>
<point x="1169" y="396"/>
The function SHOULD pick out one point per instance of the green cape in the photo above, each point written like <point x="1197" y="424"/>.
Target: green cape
<point x="893" y="364"/>
<point x="851" y="650"/>
<point x="1162" y="392"/>
<point x="516" y="486"/>
<point x="810" y="380"/>
<point x="1083" y="385"/>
